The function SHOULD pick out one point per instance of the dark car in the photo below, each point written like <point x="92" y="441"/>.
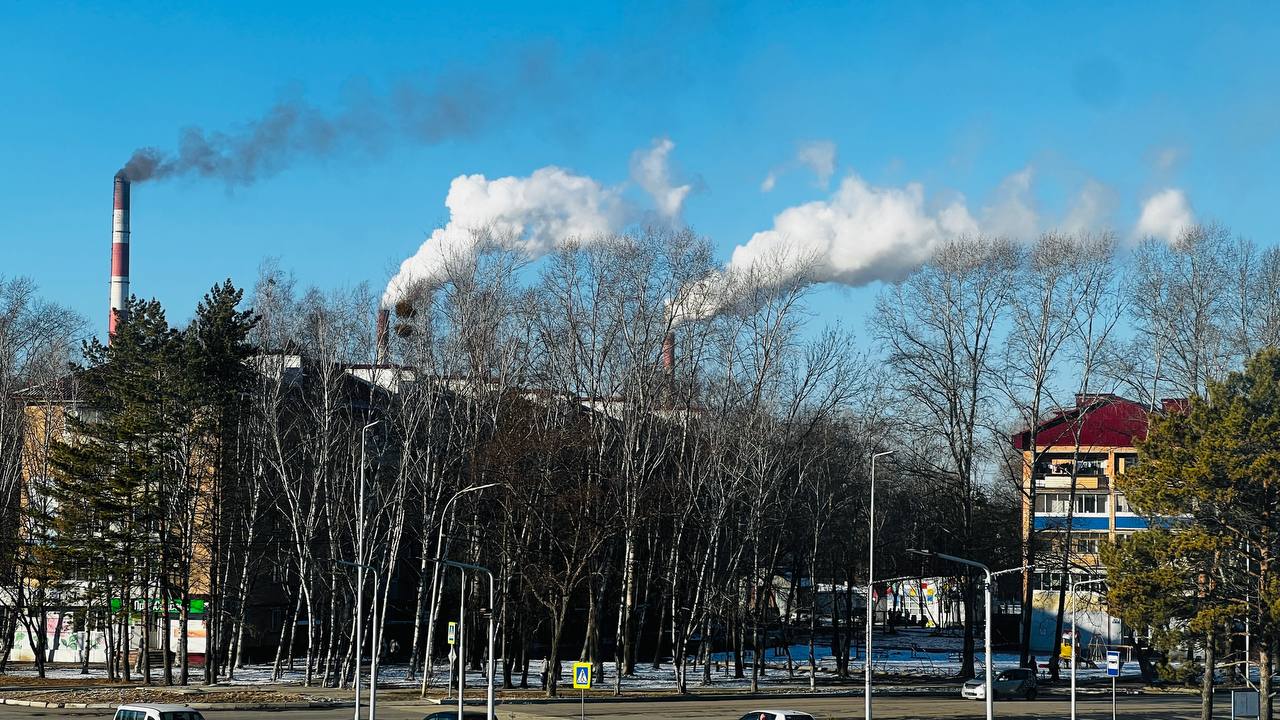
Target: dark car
<point x="453" y="715"/>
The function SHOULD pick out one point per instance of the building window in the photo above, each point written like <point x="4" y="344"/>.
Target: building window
<point x="1090" y="467"/>
<point x="1053" y="580"/>
<point x="1057" y="503"/>
<point x="1122" y="504"/>
<point x="1091" y="504"/>
<point x="1125" y="463"/>
<point x="1052" y="503"/>
<point x="1087" y="545"/>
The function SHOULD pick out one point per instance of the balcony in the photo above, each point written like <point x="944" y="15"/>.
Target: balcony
<point x="1056" y="474"/>
<point x="1083" y="482"/>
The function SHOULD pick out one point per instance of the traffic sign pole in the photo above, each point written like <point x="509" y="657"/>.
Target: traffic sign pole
<point x="1113" y="670"/>
<point x="582" y="683"/>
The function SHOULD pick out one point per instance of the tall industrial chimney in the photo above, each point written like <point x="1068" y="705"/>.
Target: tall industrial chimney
<point x="119" y="253"/>
<point x="382" y="340"/>
<point x="669" y="352"/>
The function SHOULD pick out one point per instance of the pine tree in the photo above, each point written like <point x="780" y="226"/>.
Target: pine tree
<point x="115" y="486"/>
<point x="218" y="381"/>
<point x="1209" y="479"/>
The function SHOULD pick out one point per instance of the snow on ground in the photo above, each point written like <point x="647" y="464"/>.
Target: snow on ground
<point x="910" y="653"/>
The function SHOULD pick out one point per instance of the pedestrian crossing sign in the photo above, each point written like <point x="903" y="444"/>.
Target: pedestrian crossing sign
<point x="582" y="676"/>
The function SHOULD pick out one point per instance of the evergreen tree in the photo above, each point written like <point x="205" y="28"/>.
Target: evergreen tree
<point x="1214" y="469"/>
<point x="219" y="382"/>
<point x="116" y="486"/>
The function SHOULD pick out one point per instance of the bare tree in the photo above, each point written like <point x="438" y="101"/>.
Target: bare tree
<point x="939" y="330"/>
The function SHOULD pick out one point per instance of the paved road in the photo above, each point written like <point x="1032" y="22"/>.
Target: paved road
<point x="887" y="708"/>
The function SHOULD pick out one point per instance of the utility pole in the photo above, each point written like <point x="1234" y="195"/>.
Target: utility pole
<point x="1074" y="643"/>
<point x="871" y="573"/>
<point x="359" y="564"/>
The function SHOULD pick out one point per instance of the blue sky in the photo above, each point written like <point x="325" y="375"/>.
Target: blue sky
<point x="1119" y="97"/>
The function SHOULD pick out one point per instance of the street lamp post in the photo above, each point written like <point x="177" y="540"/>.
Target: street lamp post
<point x="871" y="573"/>
<point x="492" y="665"/>
<point x="435" y="585"/>
<point x="462" y="640"/>
<point x="1074" y="606"/>
<point x="987" y="693"/>
<point x="373" y="670"/>
<point x="359" y="564"/>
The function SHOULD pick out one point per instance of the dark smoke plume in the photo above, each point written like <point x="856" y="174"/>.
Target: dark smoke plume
<point x="453" y="106"/>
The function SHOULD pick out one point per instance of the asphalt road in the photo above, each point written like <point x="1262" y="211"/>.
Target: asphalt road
<point x="1170" y="707"/>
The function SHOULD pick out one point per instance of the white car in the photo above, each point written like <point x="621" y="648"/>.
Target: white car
<point x="153" y="711"/>
<point x="1015" y="682"/>
<point x="777" y="715"/>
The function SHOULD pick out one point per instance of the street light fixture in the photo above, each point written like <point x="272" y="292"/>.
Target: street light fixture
<point x="359" y="565"/>
<point x="990" y="700"/>
<point x="427" y="667"/>
<point x="871" y="573"/>
<point x="1074" y="606"/>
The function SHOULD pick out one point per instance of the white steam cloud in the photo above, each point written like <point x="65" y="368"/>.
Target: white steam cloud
<point x="1092" y="208"/>
<point x="533" y="213"/>
<point x="1013" y="213"/>
<point x="865" y="233"/>
<point x="818" y="156"/>
<point x="651" y="169"/>
<point x="861" y="234"/>
<point x="1165" y="214"/>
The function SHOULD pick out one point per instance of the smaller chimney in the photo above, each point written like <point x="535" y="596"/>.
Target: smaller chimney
<point x="669" y="353"/>
<point x="383" y="341"/>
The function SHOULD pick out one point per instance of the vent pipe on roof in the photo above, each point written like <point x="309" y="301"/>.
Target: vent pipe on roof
<point x="382" y="339"/>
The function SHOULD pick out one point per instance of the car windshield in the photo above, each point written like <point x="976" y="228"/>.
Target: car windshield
<point x="181" y="715"/>
<point x="800" y="716"/>
<point x="1012" y="675"/>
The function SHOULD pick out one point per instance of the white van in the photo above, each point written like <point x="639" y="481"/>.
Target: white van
<point x="150" y="711"/>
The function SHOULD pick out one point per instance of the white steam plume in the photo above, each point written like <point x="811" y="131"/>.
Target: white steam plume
<point x="819" y="156"/>
<point x="1165" y="214"/>
<point x="1091" y="209"/>
<point x="1013" y="213"/>
<point x="533" y="213"/>
<point x="861" y="234"/>
<point x="651" y="169"/>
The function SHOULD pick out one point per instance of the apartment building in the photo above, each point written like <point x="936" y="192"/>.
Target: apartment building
<point x="1085" y="446"/>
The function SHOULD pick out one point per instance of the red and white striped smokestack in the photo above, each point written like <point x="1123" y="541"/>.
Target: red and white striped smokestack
<point x="669" y="352"/>
<point x="119" y="253"/>
<point x="383" y="341"/>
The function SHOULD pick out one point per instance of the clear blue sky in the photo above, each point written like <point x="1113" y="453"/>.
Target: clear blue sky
<point x="1135" y="96"/>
